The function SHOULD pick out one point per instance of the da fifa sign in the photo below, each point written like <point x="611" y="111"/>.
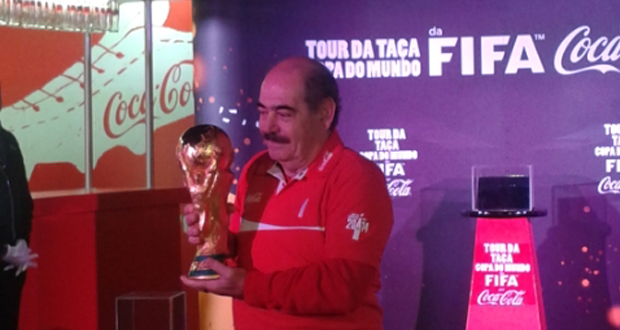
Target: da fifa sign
<point x="579" y="51"/>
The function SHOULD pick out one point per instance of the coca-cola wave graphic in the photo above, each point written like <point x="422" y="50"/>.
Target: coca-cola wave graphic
<point x="44" y="107"/>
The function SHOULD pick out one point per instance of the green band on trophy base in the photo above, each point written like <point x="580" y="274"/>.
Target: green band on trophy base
<point x="202" y="273"/>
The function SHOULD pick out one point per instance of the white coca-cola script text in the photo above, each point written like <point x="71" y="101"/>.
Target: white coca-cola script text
<point x="506" y="298"/>
<point x="400" y="187"/>
<point x="609" y="186"/>
<point x="122" y="112"/>
<point x="587" y="54"/>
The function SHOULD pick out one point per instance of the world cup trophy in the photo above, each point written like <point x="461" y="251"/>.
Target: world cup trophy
<point x="205" y="155"/>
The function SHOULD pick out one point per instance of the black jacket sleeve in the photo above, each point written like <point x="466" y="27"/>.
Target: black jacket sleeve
<point x="16" y="205"/>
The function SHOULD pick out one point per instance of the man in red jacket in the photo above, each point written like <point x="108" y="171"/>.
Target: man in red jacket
<point x="311" y="219"/>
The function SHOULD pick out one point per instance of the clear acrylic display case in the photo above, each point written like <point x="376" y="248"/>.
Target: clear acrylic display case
<point x="502" y="188"/>
<point x="151" y="311"/>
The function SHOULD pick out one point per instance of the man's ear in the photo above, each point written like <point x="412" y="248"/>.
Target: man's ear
<point x="327" y="111"/>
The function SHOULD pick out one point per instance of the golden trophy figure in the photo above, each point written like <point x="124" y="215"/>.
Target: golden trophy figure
<point x="205" y="154"/>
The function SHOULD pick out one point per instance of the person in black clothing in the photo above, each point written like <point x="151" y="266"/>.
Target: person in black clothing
<point x="16" y="208"/>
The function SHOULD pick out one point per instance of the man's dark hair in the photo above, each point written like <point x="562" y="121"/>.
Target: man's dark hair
<point x="320" y="84"/>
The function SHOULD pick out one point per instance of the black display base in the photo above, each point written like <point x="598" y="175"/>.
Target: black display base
<point x="505" y="213"/>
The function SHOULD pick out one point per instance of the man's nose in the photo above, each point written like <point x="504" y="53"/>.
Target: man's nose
<point x="269" y="122"/>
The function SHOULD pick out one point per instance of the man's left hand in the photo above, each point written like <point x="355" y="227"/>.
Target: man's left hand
<point x="230" y="282"/>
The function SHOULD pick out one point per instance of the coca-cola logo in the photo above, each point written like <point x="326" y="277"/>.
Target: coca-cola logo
<point x="400" y="187"/>
<point x="506" y="298"/>
<point x="123" y="112"/>
<point x="587" y="54"/>
<point x="609" y="186"/>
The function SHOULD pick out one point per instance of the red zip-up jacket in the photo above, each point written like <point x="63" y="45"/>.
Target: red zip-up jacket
<point x="313" y="246"/>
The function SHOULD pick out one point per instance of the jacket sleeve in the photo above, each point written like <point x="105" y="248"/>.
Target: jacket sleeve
<point x="23" y="199"/>
<point x="358" y="219"/>
<point x="15" y="185"/>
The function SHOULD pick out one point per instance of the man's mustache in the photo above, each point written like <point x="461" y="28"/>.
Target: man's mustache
<point x="273" y="137"/>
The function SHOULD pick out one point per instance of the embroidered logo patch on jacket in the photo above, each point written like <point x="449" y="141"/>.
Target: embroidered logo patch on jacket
<point x="326" y="158"/>
<point x="358" y="224"/>
<point x="253" y="198"/>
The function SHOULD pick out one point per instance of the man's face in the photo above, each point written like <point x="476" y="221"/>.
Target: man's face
<point x="291" y="131"/>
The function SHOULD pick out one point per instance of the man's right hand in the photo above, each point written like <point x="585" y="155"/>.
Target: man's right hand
<point x="192" y="220"/>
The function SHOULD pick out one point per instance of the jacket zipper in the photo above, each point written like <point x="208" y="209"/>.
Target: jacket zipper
<point x="8" y="185"/>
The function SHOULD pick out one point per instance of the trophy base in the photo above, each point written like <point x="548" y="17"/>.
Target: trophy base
<point x="197" y="271"/>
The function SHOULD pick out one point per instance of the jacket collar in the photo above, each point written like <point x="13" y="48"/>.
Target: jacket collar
<point x="319" y="166"/>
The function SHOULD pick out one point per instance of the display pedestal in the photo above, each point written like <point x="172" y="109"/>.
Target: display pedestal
<point x="95" y="246"/>
<point x="505" y="290"/>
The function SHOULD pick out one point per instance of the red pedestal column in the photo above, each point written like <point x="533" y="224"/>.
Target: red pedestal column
<point x="505" y="284"/>
<point x="98" y="245"/>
